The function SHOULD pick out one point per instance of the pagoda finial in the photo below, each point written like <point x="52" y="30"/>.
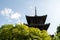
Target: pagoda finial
<point x="35" y="12"/>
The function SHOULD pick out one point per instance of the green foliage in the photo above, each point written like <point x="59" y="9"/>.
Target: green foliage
<point x="58" y="29"/>
<point x="57" y="35"/>
<point x="22" y="32"/>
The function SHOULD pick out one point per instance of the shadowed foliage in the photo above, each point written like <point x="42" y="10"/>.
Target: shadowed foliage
<point x="57" y="35"/>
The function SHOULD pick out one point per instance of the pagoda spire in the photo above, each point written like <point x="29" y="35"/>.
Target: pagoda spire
<point x="35" y="12"/>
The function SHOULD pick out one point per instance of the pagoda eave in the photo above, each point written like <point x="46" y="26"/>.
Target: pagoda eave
<point x="40" y="26"/>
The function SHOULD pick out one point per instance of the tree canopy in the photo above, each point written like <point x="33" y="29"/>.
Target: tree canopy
<point x="22" y="32"/>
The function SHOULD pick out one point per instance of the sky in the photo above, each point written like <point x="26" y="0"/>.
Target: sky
<point x="14" y="11"/>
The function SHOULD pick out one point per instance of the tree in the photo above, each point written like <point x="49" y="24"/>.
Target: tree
<point x="22" y="32"/>
<point x="57" y="35"/>
<point x="58" y="29"/>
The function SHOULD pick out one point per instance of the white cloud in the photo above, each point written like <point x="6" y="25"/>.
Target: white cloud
<point x="15" y="16"/>
<point x="6" y="12"/>
<point x="10" y="14"/>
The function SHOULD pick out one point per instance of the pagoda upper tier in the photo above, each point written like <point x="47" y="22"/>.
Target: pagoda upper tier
<point x="36" y="19"/>
<point x="37" y="22"/>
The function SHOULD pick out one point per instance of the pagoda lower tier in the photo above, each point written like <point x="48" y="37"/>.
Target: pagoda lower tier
<point x="40" y="26"/>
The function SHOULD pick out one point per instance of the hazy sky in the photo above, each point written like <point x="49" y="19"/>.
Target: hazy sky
<point x="14" y="11"/>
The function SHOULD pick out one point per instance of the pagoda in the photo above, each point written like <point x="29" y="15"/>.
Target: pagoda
<point x="37" y="21"/>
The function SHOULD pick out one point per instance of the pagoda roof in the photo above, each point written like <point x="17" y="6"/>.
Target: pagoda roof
<point x="36" y="19"/>
<point x="40" y="26"/>
<point x="37" y="16"/>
